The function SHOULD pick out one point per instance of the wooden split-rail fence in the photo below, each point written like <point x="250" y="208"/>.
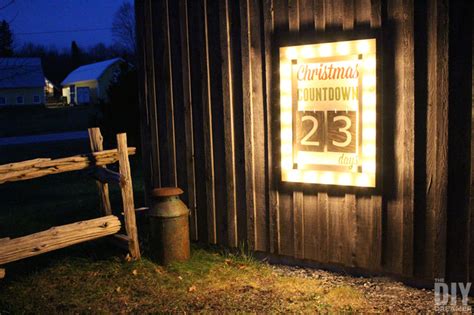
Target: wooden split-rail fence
<point x="74" y="233"/>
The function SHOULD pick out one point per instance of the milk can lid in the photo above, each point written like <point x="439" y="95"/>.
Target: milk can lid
<point x="166" y="192"/>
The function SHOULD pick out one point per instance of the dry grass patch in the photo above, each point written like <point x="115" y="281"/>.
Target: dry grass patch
<point x="211" y="281"/>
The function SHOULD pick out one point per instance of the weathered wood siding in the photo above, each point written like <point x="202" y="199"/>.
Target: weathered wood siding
<point x="210" y="108"/>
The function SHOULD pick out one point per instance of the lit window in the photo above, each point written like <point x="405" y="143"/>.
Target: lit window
<point x="19" y="99"/>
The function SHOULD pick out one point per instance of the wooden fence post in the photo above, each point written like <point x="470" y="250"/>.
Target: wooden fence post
<point x="96" y="143"/>
<point x="127" y="196"/>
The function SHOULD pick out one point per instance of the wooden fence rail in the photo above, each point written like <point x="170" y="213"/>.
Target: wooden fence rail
<point x="58" y="237"/>
<point x="70" y="234"/>
<point x="42" y="167"/>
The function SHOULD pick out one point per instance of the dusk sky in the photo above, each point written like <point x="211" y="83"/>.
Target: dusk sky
<point x="58" y="22"/>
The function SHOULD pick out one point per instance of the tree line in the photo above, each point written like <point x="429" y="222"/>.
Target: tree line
<point x="58" y="63"/>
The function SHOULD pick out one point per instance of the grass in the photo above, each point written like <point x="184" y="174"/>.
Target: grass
<point x="211" y="281"/>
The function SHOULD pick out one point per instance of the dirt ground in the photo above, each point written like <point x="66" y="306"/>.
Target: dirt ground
<point x="380" y="294"/>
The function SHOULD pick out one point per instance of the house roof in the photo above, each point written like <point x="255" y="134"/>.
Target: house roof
<point x="21" y="73"/>
<point x="89" y="72"/>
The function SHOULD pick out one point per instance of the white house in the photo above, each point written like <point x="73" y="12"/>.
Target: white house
<point x="22" y="82"/>
<point x="89" y="83"/>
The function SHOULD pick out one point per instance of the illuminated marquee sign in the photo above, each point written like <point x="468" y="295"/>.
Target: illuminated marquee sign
<point x="328" y="113"/>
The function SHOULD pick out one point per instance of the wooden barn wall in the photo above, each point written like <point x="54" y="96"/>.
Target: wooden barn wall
<point x="210" y="125"/>
<point x="471" y="263"/>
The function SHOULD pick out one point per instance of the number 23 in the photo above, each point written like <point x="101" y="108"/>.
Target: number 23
<point x="345" y="130"/>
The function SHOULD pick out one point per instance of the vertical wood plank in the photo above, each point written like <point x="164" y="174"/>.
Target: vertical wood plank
<point x="437" y="141"/>
<point x="376" y="232"/>
<point x="248" y="126"/>
<point x="369" y="230"/>
<point x="330" y="14"/>
<point x="322" y="215"/>
<point x="399" y="250"/>
<point x="376" y="13"/>
<point x="218" y="131"/>
<point x="309" y="207"/>
<point x="153" y="9"/>
<point x="287" y="245"/>
<point x="350" y="218"/>
<point x="311" y="226"/>
<point x="471" y="225"/>
<point x="254" y="130"/>
<point x="348" y="15"/>
<point x="261" y="201"/>
<point x="364" y="228"/>
<point x="197" y="59"/>
<point x="96" y="144"/>
<point x="362" y="10"/>
<point x="337" y="240"/>
<point x="146" y="145"/>
<point x="306" y="15"/>
<point x="161" y="106"/>
<point x="367" y="234"/>
<point x="238" y="118"/>
<point x="408" y="146"/>
<point x="207" y="131"/>
<point x="376" y="242"/>
<point x="471" y="222"/>
<point x="323" y="227"/>
<point x="460" y="93"/>
<point x="188" y="118"/>
<point x="127" y="196"/>
<point x="180" y="97"/>
<point x="319" y="15"/>
<point x="350" y="229"/>
<point x="165" y="100"/>
<point x="298" y="225"/>
<point x="228" y="112"/>
<point x="170" y="102"/>
<point x="285" y="196"/>
<point x="271" y="74"/>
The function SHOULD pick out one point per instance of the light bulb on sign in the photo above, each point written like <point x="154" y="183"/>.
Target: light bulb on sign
<point x="325" y="50"/>
<point x="343" y="48"/>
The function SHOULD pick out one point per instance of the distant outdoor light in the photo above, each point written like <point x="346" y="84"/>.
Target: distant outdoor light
<point x="328" y="113"/>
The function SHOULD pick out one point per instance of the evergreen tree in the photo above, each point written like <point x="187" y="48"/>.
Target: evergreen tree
<point x="76" y="55"/>
<point x="6" y="40"/>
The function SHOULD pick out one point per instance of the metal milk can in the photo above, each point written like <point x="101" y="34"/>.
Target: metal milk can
<point x="169" y="226"/>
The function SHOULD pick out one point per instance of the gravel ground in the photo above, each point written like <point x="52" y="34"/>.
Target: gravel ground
<point x="384" y="294"/>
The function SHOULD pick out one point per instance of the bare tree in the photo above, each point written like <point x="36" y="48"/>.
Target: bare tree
<point x="123" y="28"/>
<point x="5" y="4"/>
